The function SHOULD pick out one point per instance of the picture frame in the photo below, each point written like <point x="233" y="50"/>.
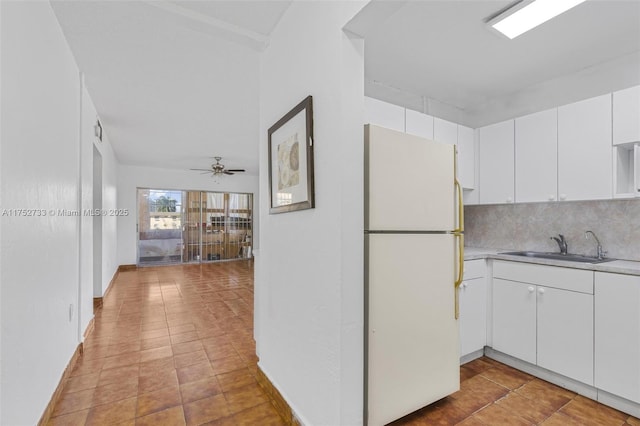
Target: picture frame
<point x="291" y="177"/>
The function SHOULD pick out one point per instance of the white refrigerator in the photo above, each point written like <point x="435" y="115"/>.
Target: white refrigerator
<point x="414" y="260"/>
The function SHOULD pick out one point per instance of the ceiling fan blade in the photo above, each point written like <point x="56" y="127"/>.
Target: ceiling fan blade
<point x="228" y="172"/>
<point x="202" y="170"/>
<point x="235" y="170"/>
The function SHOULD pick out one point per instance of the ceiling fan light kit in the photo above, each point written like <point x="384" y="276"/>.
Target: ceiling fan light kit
<point x="218" y="169"/>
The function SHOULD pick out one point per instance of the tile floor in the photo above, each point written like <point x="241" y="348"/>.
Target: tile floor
<point x="494" y="394"/>
<point x="174" y="346"/>
<point x="171" y="346"/>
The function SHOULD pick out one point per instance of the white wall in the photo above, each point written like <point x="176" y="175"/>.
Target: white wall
<point x="40" y="129"/>
<point x="309" y="275"/>
<point x="132" y="177"/>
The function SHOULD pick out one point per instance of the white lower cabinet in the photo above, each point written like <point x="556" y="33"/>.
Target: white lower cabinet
<point x="544" y="315"/>
<point x="514" y="319"/>
<point x="473" y="308"/>
<point x="565" y="333"/>
<point x="617" y="334"/>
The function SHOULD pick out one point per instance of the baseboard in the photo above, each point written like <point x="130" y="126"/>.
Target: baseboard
<point x="125" y="268"/>
<point x="97" y="301"/>
<point x="470" y="357"/>
<point x="621" y="404"/>
<point x="591" y="392"/>
<point x="280" y="404"/>
<point x="46" y="416"/>
<point x="544" y="374"/>
<point x="90" y="328"/>
<point x="97" y="304"/>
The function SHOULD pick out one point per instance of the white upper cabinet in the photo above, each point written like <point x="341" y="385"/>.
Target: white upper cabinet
<point x="419" y="124"/>
<point x="445" y="131"/>
<point x="496" y="146"/>
<point x="584" y="150"/>
<point x="536" y="155"/>
<point x="466" y="157"/>
<point x="383" y="114"/>
<point x="626" y="116"/>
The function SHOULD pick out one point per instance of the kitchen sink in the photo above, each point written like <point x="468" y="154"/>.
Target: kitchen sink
<point x="558" y="256"/>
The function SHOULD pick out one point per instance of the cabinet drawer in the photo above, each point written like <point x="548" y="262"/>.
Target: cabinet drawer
<point x="579" y="280"/>
<point x="474" y="269"/>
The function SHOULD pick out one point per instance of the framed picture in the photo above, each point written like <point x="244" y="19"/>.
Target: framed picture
<point x="291" y="160"/>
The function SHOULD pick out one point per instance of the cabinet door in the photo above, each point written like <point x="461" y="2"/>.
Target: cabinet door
<point x="496" y="163"/>
<point x="565" y="333"/>
<point x="617" y="335"/>
<point x="466" y="157"/>
<point x="445" y="131"/>
<point x="514" y="319"/>
<point x="383" y="114"/>
<point x="536" y="150"/>
<point x="584" y="150"/>
<point x="626" y="115"/>
<point x="473" y="315"/>
<point x="419" y="124"/>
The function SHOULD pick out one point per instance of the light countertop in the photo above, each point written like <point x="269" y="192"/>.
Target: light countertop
<point x="615" y="266"/>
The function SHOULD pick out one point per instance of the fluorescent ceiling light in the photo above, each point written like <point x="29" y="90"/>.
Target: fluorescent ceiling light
<point x="530" y="16"/>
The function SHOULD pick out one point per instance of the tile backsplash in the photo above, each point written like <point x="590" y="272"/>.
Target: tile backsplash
<point x="529" y="226"/>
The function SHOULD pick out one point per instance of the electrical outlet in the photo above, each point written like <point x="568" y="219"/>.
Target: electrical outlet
<point x="71" y="312"/>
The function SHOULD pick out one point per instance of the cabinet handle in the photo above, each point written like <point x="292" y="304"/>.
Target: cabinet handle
<point x="552" y="197"/>
<point x="541" y="290"/>
<point x="563" y="196"/>
<point x="509" y="200"/>
<point x="531" y="289"/>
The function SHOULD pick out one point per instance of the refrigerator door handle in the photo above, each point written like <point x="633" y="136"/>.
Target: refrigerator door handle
<point x="460" y="275"/>
<point x="460" y="228"/>
<point x="459" y="233"/>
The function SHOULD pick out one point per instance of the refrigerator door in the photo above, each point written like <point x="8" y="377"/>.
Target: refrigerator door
<point x="411" y="338"/>
<point x="409" y="182"/>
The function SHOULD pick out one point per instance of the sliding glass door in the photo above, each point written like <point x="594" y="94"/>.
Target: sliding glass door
<point x="193" y="226"/>
<point x="159" y="226"/>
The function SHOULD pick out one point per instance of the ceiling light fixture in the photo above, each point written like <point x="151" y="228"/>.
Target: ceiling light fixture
<point x="529" y="14"/>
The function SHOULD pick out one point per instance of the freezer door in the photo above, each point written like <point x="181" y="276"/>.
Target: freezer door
<point x="409" y="182"/>
<point x="411" y="338"/>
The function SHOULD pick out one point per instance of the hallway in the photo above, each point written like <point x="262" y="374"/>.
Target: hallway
<point x="171" y="346"/>
<point x="174" y="345"/>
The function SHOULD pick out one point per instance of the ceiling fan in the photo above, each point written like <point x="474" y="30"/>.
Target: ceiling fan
<point x="218" y="169"/>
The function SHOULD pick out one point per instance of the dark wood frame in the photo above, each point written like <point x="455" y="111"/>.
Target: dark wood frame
<point x="307" y="106"/>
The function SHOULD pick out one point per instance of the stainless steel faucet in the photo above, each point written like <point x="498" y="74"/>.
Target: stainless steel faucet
<point x="599" y="252"/>
<point x="562" y="243"/>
